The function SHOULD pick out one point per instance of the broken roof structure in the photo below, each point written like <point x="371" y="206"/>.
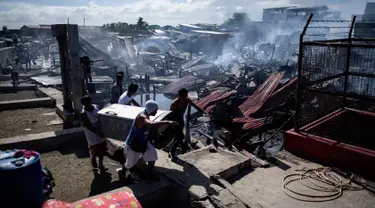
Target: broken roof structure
<point x="187" y="82"/>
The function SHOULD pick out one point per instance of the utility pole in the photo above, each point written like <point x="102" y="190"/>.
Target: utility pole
<point x="84" y="22"/>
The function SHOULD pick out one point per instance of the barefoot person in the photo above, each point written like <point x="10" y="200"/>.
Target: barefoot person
<point x="94" y="136"/>
<point x="178" y="108"/>
<point x="137" y="144"/>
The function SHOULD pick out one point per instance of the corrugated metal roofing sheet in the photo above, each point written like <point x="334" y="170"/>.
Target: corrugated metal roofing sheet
<point x="279" y="96"/>
<point x="250" y="123"/>
<point x="259" y="97"/>
<point x="209" y="101"/>
<point x="188" y="82"/>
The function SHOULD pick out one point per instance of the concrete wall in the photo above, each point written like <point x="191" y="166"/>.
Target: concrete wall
<point x="6" y="53"/>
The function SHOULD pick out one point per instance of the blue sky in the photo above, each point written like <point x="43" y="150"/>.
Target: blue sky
<point x="15" y="13"/>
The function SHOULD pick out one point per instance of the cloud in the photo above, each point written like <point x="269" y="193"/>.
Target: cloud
<point x="15" y="14"/>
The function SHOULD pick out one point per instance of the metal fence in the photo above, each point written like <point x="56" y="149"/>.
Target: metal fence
<point x="334" y="75"/>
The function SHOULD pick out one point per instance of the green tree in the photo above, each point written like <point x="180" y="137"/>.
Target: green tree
<point x="141" y="24"/>
<point x="5" y="28"/>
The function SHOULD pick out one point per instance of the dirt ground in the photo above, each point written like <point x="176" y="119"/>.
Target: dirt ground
<point x="74" y="177"/>
<point x="29" y="121"/>
<point x="20" y="95"/>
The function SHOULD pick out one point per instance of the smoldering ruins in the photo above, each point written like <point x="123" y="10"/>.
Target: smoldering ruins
<point x="259" y="89"/>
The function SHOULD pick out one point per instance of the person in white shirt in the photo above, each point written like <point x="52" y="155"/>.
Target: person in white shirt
<point x="127" y="97"/>
<point x="94" y="136"/>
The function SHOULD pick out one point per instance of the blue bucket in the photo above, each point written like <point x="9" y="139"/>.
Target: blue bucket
<point x="21" y="180"/>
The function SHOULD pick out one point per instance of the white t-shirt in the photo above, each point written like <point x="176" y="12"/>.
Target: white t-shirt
<point x="92" y="138"/>
<point x="125" y="99"/>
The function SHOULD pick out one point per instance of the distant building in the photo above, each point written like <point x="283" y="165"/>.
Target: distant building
<point x="365" y="23"/>
<point x="45" y="30"/>
<point x="273" y="14"/>
<point x="210" y="27"/>
<point x="188" y="28"/>
<point x="299" y="13"/>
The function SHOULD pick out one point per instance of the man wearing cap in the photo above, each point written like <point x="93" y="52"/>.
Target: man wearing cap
<point x="137" y="143"/>
<point x="116" y="89"/>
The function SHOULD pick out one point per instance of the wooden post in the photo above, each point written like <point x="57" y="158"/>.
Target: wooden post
<point x="154" y="91"/>
<point x="77" y="88"/>
<point x="127" y="73"/>
<point x="147" y="84"/>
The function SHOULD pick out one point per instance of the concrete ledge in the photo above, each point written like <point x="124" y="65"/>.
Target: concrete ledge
<point x="53" y="94"/>
<point x="223" y="162"/>
<point x="27" y="103"/>
<point x="44" y="142"/>
<point x="10" y="88"/>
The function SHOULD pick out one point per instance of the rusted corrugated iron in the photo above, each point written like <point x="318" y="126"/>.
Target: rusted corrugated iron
<point x="208" y="103"/>
<point x="259" y="97"/>
<point x="250" y="123"/>
<point x="253" y="125"/>
<point x="203" y="102"/>
<point x="279" y="95"/>
<point x="188" y="82"/>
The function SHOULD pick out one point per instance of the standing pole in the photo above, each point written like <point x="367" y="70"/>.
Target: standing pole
<point x="348" y="55"/>
<point x="299" y="75"/>
<point x="154" y="91"/>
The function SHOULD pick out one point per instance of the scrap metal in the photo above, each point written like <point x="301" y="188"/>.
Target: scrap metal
<point x="187" y="82"/>
<point x="279" y="95"/>
<point x="250" y="123"/>
<point x="259" y="97"/>
<point x="208" y="103"/>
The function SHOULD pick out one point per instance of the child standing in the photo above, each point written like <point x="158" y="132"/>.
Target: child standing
<point x="95" y="137"/>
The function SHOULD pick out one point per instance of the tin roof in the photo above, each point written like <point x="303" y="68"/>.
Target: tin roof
<point x="188" y="82"/>
<point x="250" y="123"/>
<point x="259" y="97"/>
<point x="208" y="103"/>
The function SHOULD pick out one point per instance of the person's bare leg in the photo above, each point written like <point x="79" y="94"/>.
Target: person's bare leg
<point x="101" y="166"/>
<point x="93" y="162"/>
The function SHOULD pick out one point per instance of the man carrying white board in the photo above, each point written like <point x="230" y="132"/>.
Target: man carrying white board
<point x="127" y="98"/>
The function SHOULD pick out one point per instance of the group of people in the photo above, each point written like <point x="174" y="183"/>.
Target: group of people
<point x="137" y="143"/>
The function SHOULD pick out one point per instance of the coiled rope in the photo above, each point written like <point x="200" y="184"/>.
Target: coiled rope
<point x="327" y="185"/>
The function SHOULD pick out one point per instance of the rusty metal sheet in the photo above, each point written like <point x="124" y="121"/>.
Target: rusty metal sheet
<point x="203" y="102"/>
<point x="279" y="95"/>
<point x="250" y="123"/>
<point x="253" y="125"/>
<point x="188" y="82"/>
<point x="259" y="97"/>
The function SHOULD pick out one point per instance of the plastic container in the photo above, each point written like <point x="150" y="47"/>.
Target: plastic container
<point x="21" y="181"/>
